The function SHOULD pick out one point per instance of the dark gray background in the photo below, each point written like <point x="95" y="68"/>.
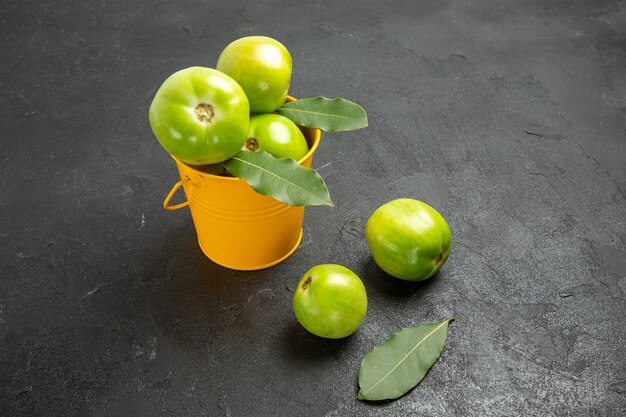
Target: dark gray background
<point x="509" y="117"/>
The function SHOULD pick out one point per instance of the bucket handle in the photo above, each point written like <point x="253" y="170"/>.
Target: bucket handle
<point x="175" y="188"/>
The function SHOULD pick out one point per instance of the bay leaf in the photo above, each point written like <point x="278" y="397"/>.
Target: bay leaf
<point x="329" y="115"/>
<point x="282" y="178"/>
<point x="394" y="367"/>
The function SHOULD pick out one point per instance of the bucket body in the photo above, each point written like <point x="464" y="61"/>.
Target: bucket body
<point x="237" y="227"/>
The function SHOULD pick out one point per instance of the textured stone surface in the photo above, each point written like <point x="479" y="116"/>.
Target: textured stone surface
<point x="509" y="117"/>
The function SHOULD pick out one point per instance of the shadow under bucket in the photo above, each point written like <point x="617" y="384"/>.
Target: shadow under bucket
<point x="237" y="227"/>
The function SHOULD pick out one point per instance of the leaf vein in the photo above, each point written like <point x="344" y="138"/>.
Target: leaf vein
<point x="316" y="113"/>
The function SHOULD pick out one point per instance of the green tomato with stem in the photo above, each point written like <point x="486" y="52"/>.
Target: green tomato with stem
<point x="262" y="66"/>
<point x="408" y="239"/>
<point x="277" y="135"/>
<point x="330" y="301"/>
<point x="200" y="116"/>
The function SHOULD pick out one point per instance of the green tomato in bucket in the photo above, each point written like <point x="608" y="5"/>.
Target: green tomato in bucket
<point x="200" y="116"/>
<point x="262" y="66"/>
<point x="277" y="135"/>
<point x="408" y="239"/>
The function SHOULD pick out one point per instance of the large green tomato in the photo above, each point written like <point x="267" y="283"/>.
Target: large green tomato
<point x="277" y="135"/>
<point x="330" y="301"/>
<point x="200" y="116"/>
<point x="408" y="239"/>
<point x="262" y="66"/>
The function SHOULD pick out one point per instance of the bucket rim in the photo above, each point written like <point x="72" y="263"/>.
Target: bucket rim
<point x="317" y="134"/>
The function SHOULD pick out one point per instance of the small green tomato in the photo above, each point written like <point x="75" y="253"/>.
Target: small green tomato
<point x="330" y="301"/>
<point x="408" y="239"/>
<point x="277" y="135"/>
<point x="200" y="115"/>
<point x="262" y="66"/>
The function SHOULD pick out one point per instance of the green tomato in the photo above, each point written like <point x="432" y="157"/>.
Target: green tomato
<point x="262" y="66"/>
<point x="330" y="301"/>
<point x="200" y="116"/>
<point x="277" y="135"/>
<point x="408" y="239"/>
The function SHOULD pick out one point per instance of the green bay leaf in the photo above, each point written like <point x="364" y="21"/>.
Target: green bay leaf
<point x="281" y="178"/>
<point x="330" y="115"/>
<point x="396" y="366"/>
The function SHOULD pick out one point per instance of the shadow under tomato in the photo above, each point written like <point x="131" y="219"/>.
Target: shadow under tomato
<point x="299" y="345"/>
<point x="382" y="283"/>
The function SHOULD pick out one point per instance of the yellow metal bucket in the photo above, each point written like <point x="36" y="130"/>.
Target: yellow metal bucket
<point x="237" y="227"/>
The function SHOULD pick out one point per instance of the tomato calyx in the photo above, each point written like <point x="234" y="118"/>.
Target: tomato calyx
<point x="251" y="145"/>
<point x="438" y="258"/>
<point x="204" y="112"/>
